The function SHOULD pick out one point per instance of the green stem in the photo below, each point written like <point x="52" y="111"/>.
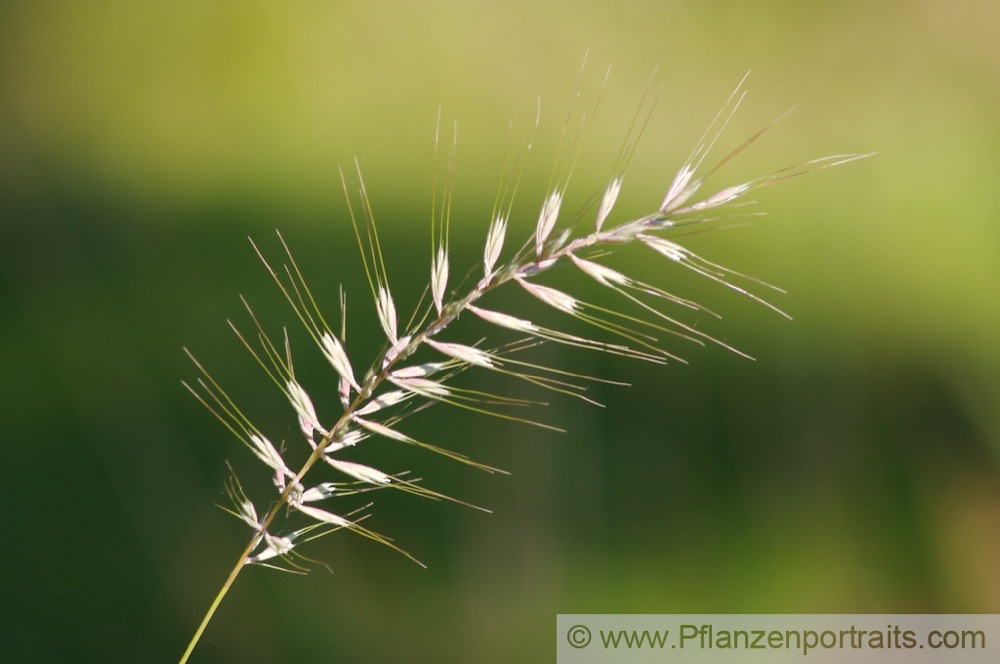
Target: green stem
<point x="218" y="599"/>
<point x="254" y="541"/>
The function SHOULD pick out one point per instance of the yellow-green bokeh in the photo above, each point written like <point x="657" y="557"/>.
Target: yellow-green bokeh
<point x="852" y="468"/>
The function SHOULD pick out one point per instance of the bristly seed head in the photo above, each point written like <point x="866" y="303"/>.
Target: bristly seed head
<point x="418" y="386"/>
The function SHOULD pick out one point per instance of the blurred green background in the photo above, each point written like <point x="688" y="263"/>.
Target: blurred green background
<point x="852" y="468"/>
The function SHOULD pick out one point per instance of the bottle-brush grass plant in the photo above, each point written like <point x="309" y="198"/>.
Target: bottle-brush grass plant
<point x="376" y="400"/>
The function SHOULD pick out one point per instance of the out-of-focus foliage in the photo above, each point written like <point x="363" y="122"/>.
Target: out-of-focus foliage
<point x="852" y="468"/>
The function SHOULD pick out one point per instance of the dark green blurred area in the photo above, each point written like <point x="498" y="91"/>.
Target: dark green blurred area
<point x="852" y="468"/>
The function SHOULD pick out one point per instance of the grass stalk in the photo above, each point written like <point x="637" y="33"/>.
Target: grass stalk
<point x="376" y="403"/>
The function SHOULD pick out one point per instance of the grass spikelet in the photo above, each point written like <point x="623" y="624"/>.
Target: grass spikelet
<point x="494" y="245"/>
<point x="547" y="220"/>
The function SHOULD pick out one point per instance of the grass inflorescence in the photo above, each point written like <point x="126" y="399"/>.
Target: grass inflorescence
<point x="377" y="400"/>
